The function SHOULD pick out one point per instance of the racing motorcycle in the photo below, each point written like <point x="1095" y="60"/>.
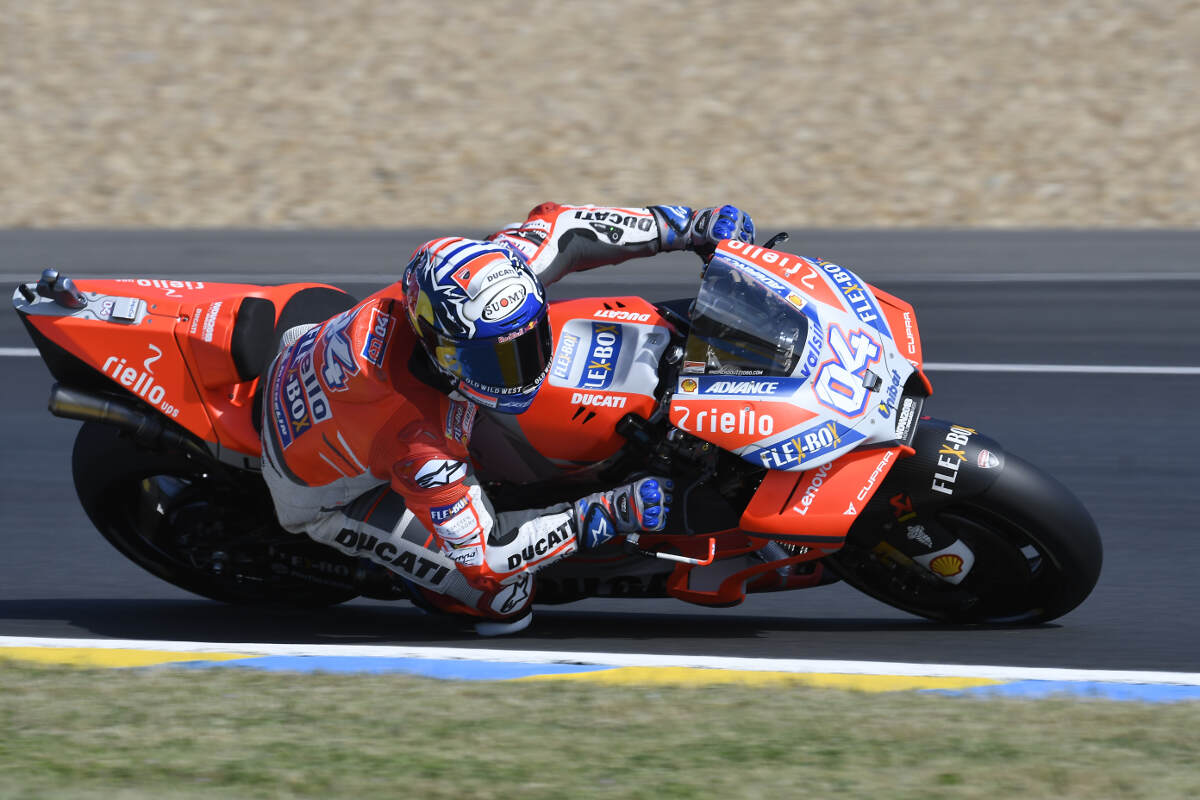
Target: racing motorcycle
<point x="785" y="399"/>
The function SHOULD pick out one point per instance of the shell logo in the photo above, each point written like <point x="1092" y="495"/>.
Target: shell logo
<point x="689" y="385"/>
<point x="947" y="565"/>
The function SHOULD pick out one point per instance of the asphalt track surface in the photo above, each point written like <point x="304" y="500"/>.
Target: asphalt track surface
<point x="1127" y="444"/>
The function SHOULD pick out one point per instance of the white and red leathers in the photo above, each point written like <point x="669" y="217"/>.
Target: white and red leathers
<point x="364" y="453"/>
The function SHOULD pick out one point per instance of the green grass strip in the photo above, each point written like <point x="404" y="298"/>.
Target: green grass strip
<point x="161" y="732"/>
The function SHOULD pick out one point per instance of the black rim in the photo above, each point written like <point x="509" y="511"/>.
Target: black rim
<point x="1012" y="570"/>
<point x="1010" y="582"/>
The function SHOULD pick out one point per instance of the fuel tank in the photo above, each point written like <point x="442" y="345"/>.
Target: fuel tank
<point x="605" y="365"/>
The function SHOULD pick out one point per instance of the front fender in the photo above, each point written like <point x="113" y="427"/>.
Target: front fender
<point x="951" y="462"/>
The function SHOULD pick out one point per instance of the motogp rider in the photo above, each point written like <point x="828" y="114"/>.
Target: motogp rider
<point x="367" y="417"/>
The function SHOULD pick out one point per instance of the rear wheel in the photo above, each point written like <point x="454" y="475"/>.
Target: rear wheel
<point x="1037" y="553"/>
<point x="204" y="528"/>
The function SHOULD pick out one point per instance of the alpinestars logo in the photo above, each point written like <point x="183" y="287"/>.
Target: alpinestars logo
<point x="440" y="473"/>
<point x="513" y="596"/>
<point x="598" y="526"/>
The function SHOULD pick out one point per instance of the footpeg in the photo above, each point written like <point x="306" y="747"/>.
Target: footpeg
<point x="633" y="538"/>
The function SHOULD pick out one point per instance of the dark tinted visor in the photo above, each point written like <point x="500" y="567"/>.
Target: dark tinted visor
<point x="509" y="364"/>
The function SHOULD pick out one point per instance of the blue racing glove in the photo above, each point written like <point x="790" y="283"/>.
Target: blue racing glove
<point x="680" y="228"/>
<point x="633" y="508"/>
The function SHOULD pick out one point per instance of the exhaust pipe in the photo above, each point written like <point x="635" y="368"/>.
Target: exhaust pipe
<point x="147" y="429"/>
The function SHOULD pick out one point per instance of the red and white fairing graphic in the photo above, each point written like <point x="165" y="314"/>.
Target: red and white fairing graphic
<point x="845" y="388"/>
<point x="166" y="342"/>
<point x="605" y="366"/>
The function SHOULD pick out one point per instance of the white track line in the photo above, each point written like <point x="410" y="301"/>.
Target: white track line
<point x="931" y="366"/>
<point x="629" y="660"/>
<point x="1096" y="369"/>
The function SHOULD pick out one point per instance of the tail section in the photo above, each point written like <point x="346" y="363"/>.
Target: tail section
<point x="189" y="351"/>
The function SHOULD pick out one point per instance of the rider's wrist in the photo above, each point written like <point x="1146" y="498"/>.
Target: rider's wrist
<point x="674" y="227"/>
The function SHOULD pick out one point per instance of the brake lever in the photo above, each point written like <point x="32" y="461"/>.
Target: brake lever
<point x="778" y="238"/>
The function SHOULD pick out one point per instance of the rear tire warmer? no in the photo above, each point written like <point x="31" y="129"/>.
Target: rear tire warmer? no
<point x="171" y="516"/>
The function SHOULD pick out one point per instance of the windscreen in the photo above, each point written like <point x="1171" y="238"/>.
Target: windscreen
<point x="741" y="327"/>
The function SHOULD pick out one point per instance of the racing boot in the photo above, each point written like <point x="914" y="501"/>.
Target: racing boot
<point x="514" y="599"/>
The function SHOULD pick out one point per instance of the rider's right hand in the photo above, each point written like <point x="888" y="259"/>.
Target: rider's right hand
<point x="712" y="225"/>
<point x="703" y="229"/>
<point x="640" y="506"/>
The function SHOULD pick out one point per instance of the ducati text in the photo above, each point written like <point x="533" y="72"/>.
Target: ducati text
<point x="600" y="400"/>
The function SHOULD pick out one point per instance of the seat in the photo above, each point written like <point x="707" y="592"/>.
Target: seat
<point x="255" y="348"/>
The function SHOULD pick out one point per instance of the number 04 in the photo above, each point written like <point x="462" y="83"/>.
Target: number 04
<point x="839" y="383"/>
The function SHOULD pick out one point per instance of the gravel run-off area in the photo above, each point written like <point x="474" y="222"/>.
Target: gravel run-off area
<point x="865" y="113"/>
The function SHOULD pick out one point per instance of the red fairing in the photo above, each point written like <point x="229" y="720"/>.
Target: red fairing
<point x="573" y="421"/>
<point x="816" y="508"/>
<point x="903" y="321"/>
<point x="174" y="355"/>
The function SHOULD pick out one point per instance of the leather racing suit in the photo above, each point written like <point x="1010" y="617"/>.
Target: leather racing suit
<point x="362" y="451"/>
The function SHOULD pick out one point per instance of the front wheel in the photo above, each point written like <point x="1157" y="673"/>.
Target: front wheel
<point x="1037" y="550"/>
